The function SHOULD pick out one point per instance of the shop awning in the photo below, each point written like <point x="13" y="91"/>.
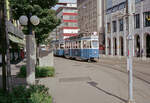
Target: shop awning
<point x="16" y="39"/>
<point x="14" y="30"/>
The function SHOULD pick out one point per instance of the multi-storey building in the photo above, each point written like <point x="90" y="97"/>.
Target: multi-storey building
<point x="116" y="22"/>
<point x="91" y="17"/>
<point x="69" y="24"/>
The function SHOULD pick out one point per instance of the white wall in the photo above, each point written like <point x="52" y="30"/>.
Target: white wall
<point x="70" y="30"/>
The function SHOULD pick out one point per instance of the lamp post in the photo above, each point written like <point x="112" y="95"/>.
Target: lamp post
<point x="30" y="47"/>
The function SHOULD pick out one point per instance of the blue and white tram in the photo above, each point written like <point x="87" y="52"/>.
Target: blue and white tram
<point x="83" y="46"/>
<point x="58" y="48"/>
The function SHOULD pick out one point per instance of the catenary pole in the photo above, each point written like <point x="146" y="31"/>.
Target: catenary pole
<point x="130" y="9"/>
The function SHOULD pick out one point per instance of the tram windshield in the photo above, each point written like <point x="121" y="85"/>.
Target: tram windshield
<point x="61" y="46"/>
<point x="95" y="44"/>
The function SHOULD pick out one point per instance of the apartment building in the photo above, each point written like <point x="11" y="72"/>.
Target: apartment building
<point x="116" y="22"/>
<point x="91" y="17"/>
<point x="69" y="23"/>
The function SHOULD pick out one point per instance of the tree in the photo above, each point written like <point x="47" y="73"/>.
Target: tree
<point x="41" y="8"/>
<point x="2" y="43"/>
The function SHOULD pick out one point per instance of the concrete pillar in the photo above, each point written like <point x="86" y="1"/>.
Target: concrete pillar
<point x="31" y="58"/>
<point x="111" y="38"/>
<point x="100" y="20"/>
<point x="106" y="39"/>
<point x="125" y="38"/>
<point x="142" y="33"/>
<point x="117" y="38"/>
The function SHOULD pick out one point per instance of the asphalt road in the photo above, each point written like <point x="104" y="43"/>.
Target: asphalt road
<point x="105" y="81"/>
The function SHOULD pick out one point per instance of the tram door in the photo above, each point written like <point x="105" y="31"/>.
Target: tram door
<point x="148" y="45"/>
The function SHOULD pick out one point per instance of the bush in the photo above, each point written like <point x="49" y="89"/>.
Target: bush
<point x="44" y="71"/>
<point x="39" y="71"/>
<point x="40" y="98"/>
<point x="32" y="94"/>
<point x="22" y="72"/>
<point x="4" y="97"/>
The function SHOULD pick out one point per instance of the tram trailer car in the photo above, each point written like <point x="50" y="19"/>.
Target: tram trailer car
<point x="58" y="49"/>
<point x="84" y="47"/>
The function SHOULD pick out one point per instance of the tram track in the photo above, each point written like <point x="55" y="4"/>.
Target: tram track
<point x="123" y="70"/>
<point x="121" y="67"/>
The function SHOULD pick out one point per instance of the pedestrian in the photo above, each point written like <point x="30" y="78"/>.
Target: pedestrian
<point x="142" y="52"/>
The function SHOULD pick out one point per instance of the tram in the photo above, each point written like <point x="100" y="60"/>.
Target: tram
<point x="58" y="48"/>
<point x="84" y="46"/>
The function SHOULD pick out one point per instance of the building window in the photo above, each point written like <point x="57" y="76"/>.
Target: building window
<point x="108" y="28"/>
<point x="122" y="5"/>
<point x="137" y="21"/>
<point x="114" y="26"/>
<point x="147" y="19"/>
<point x="115" y="8"/>
<point x="121" y="25"/>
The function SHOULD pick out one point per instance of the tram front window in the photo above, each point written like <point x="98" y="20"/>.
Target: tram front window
<point x="61" y="46"/>
<point x="95" y="44"/>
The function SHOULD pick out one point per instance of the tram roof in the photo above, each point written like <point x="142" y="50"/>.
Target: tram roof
<point x="81" y="35"/>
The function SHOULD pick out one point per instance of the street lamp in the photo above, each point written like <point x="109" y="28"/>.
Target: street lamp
<point x="33" y="19"/>
<point x="30" y="46"/>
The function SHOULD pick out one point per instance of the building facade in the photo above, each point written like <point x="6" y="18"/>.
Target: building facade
<point x="91" y="17"/>
<point x="69" y="24"/>
<point x="116" y="30"/>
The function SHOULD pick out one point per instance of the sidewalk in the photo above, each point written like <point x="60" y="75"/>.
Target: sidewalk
<point x="14" y="70"/>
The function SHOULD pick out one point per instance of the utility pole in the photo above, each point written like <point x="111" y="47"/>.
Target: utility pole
<point x="130" y="10"/>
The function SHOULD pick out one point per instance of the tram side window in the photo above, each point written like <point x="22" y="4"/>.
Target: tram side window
<point x="84" y="44"/>
<point x="76" y="44"/>
<point x="65" y="44"/>
<point x="79" y="44"/>
<point x="56" y="46"/>
<point x="88" y="44"/>
<point x="69" y="44"/>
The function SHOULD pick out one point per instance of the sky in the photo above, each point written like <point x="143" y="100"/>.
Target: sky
<point x="65" y="1"/>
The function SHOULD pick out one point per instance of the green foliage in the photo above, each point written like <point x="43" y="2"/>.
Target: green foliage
<point x="45" y="71"/>
<point x="22" y="72"/>
<point x="40" y="98"/>
<point x="39" y="71"/>
<point x="32" y="94"/>
<point x="4" y="97"/>
<point x="41" y="8"/>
